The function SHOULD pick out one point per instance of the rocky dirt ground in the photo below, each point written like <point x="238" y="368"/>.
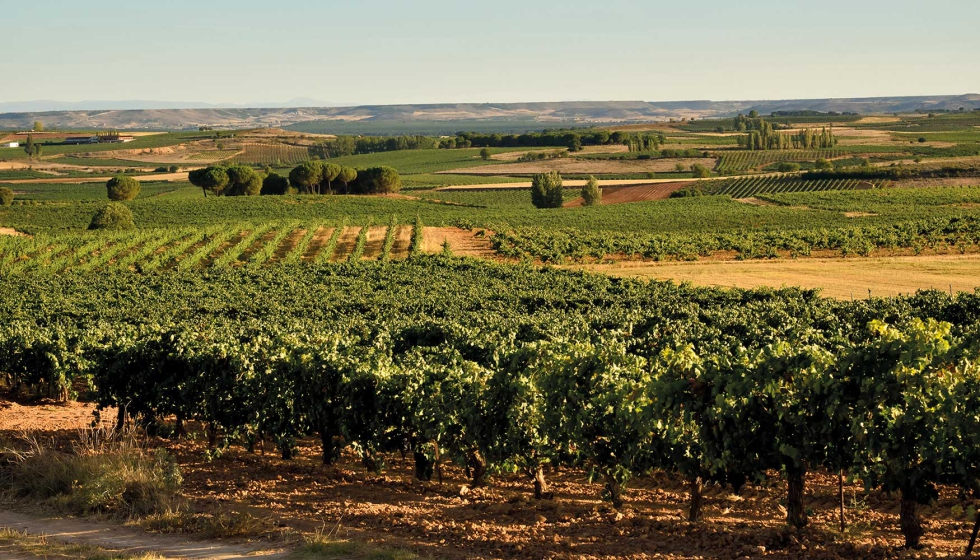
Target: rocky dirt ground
<point x="449" y="519"/>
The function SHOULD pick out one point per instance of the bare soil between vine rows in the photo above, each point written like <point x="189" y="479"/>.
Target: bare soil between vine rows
<point x="502" y="520"/>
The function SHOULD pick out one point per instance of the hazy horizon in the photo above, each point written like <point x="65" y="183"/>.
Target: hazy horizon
<point x="235" y="53"/>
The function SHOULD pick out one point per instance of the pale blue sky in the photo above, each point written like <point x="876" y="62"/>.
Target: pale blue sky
<point x="427" y="51"/>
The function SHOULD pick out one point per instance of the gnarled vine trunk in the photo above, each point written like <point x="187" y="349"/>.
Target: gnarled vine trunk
<point x="478" y="467"/>
<point x="615" y="491"/>
<point x="973" y="537"/>
<point x="696" y="512"/>
<point x="541" y="488"/>
<point x="795" y="511"/>
<point x="910" y="522"/>
<point x="423" y="466"/>
<point x="327" y="448"/>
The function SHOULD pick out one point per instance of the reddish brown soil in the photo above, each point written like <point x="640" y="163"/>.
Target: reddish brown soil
<point x="463" y="243"/>
<point x="638" y="193"/>
<point x="375" y="242"/>
<point x="403" y="240"/>
<point x="320" y="239"/>
<point x="448" y="519"/>
<point x="288" y="244"/>
<point x="346" y="243"/>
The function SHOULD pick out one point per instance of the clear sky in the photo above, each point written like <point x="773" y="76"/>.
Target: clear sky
<point x="427" y="51"/>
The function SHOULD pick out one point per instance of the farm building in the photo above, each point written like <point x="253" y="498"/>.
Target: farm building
<point x="100" y="139"/>
<point x="10" y="145"/>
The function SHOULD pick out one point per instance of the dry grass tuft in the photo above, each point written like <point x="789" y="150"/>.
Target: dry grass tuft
<point x="104" y="472"/>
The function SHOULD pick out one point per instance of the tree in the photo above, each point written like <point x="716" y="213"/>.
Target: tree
<point x="680" y="167"/>
<point x="347" y="174"/>
<point x="243" y="181"/>
<point x="213" y="178"/>
<point x="38" y="126"/>
<point x="547" y="190"/>
<point x="378" y="180"/>
<point x="6" y="196"/>
<point x="122" y="188"/>
<point x="591" y="193"/>
<point x="823" y="165"/>
<point x="485" y="154"/>
<point x="306" y="176"/>
<point x="700" y="171"/>
<point x="330" y="173"/>
<point x="173" y="169"/>
<point x="112" y="216"/>
<point x="788" y="167"/>
<point x="275" y="183"/>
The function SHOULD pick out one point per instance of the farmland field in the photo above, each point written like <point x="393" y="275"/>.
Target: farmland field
<point x="456" y="366"/>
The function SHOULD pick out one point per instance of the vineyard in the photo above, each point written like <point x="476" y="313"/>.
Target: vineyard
<point x="741" y="161"/>
<point x="513" y="369"/>
<point x="287" y="242"/>
<point x="752" y="186"/>
<point x="272" y="154"/>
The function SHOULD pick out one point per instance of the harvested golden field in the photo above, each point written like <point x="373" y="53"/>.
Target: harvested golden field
<point x="836" y="277"/>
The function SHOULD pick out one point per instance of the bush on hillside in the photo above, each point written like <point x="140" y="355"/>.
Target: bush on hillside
<point x="123" y="188"/>
<point x="112" y="216"/>
<point x="6" y="196"/>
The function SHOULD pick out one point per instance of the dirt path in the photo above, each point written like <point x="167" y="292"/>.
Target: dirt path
<point x="77" y="531"/>
<point x="165" y="177"/>
<point x="12" y="232"/>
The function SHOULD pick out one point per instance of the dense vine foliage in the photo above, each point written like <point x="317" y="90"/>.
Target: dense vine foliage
<point x="518" y="369"/>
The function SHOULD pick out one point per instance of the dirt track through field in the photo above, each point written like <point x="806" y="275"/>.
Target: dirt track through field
<point x="122" y="539"/>
<point x="161" y="177"/>
<point x="288" y="244"/>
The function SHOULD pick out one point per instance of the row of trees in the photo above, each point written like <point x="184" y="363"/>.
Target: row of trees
<point x="764" y="136"/>
<point x="311" y="177"/>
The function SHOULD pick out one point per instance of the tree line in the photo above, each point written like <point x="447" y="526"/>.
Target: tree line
<point x="763" y="135"/>
<point x="311" y="177"/>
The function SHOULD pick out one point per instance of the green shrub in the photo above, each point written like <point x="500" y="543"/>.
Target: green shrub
<point x="700" y="171"/>
<point x="113" y="216"/>
<point x="122" y="188"/>
<point x="6" y="196"/>
<point x="788" y="167"/>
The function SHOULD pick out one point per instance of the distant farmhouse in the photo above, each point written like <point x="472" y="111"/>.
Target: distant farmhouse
<point x="10" y="145"/>
<point x="110" y="138"/>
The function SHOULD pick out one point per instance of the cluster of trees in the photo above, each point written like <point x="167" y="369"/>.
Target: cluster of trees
<point x="311" y="177"/>
<point x="764" y="136"/>
<point x="531" y="157"/>
<point x="591" y="193"/>
<point x="235" y="180"/>
<point x="644" y="142"/>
